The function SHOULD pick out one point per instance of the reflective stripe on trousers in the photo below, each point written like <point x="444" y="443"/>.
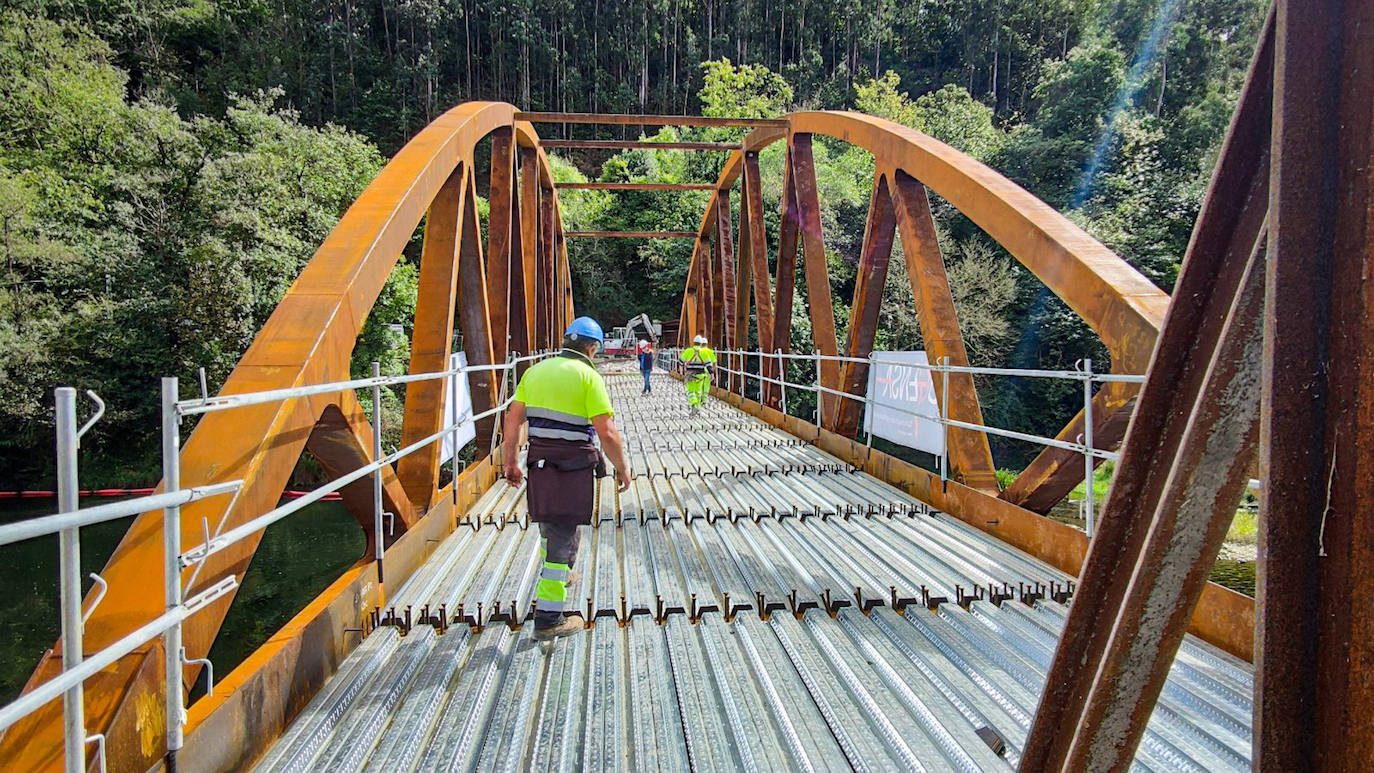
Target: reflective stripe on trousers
<point x="697" y="388"/>
<point x="552" y="592"/>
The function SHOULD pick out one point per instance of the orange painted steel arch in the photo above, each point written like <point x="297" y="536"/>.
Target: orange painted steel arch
<point x="308" y="339"/>
<point x="1117" y="301"/>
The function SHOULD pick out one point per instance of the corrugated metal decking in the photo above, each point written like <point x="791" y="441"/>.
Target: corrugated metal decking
<point x="742" y="593"/>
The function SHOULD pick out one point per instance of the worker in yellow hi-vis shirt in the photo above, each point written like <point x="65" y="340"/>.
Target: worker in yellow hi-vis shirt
<point x="565" y="401"/>
<point x="699" y="361"/>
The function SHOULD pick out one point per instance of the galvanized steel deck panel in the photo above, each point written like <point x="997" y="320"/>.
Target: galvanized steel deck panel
<point x="729" y="518"/>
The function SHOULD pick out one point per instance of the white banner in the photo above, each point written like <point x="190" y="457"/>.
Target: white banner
<point x="903" y="404"/>
<point x="467" y="431"/>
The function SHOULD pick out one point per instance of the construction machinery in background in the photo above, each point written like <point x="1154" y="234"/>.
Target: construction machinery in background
<point x="622" y="341"/>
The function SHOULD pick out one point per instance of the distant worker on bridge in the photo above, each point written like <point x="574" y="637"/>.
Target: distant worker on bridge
<point x="568" y="408"/>
<point x="646" y="364"/>
<point x="699" y="361"/>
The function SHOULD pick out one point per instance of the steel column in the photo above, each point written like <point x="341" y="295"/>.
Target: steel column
<point x="1208" y="474"/>
<point x="518" y="295"/>
<point x="1230" y="224"/>
<point x="500" y="239"/>
<point x="752" y="199"/>
<point x="543" y="295"/>
<point x="785" y="280"/>
<point x="529" y="245"/>
<point x="969" y="455"/>
<point x="474" y="314"/>
<point x="879" y="234"/>
<point x="1315" y="640"/>
<point x="432" y="339"/>
<point x="803" y="174"/>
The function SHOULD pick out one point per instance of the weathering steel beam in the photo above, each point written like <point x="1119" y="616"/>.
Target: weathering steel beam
<point x="1316" y="569"/>
<point x="631" y="234"/>
<point x="618" y="119"/>
<point x="600" y="186"/>
<point x="639" y="145"/>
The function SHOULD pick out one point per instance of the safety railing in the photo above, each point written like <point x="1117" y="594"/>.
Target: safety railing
<point x="77" y="666"/>
<point x="1083" y="372"/>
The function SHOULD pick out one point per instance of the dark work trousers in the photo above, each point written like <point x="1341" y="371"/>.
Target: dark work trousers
<point x="558" y="546"/>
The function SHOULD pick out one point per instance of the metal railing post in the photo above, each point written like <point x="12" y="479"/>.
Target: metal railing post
<point x="763" y="383"/>
<point x="496" y="418"/>
<point x="171" y="567"/>
<point x="782" y="380"/>
<point x="69" y="562"/>
<point x="868" y="408"/>
<point x="379" y="548"/>
<point x="1088" y="446"/>
<point x="944" y="418"/>
<point x="453" y="427"/>
<point x="817" y="355"/>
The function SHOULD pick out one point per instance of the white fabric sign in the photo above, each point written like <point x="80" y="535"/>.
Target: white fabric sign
<point x="903" y="404"/>
<point x="467" y="431"/>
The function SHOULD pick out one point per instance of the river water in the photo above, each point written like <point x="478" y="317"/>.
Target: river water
<point x="297" y="559"/>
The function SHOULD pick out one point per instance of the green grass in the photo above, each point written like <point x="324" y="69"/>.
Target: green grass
<point x="1102" y="480"/>
<point x="1245" y="528"/>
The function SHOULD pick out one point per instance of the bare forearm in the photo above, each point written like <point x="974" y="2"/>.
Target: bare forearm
<point x="511" y="431"/>
<point x="614" y="447"/>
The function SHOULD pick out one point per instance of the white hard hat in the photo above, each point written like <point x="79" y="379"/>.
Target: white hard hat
<point x="699" y="340"/>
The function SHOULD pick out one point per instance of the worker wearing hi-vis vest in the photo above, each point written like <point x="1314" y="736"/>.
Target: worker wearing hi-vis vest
<point x="699" y="361"/>
<point x="564" y="399"/>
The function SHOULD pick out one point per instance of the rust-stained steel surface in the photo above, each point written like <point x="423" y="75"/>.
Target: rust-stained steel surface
<point x="308" y="340"/>
<point x="879" y="234"/>
<point x="631" y="234"/>
<point x="500" y="236"/>
<point x="638" y="145"/>
<point x="598" y="186"/>
<point x="757" y="257"/>
<point x="1231" y="222"/>
<point x="622" y="119"/>
<point x="970" y="458"/>
<point x="1209" y="472"/>
<point x="1316" y="572"/>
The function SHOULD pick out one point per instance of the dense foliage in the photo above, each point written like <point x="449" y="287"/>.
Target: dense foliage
<point x="138" y="243"/>
<point x="166" y="166"/>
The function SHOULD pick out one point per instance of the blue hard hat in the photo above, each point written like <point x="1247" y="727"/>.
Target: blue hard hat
<point x="585" y="327"/>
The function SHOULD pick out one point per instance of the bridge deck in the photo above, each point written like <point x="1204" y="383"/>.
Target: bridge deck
<point x="728" y="513"/>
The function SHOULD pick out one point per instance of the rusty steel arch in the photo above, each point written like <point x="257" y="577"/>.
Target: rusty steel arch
<point x="516" y="297"/>
<point x="1119" y="303"/>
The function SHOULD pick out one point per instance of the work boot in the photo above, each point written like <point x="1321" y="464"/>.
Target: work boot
<point x="565" y="627"/>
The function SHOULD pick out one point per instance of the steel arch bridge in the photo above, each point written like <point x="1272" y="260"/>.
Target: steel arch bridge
<point x="1253" y="292"/>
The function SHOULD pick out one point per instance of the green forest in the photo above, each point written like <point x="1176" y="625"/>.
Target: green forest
<point x="168" y="166"/>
